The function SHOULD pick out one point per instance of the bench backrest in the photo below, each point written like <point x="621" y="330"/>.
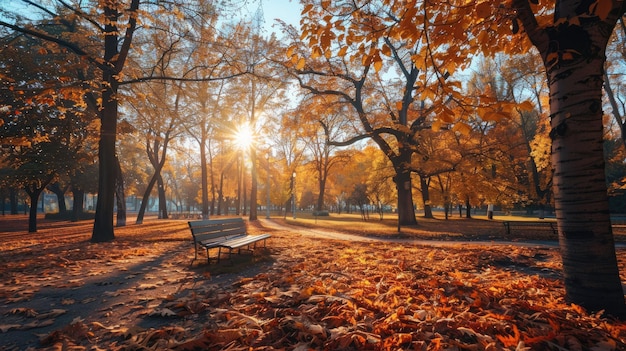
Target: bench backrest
<point x="216" y="228"/>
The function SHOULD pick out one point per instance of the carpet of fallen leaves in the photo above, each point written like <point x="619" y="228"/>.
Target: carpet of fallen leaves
<point x="141" y="292"/>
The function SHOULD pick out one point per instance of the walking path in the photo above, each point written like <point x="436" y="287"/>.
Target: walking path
<point x="336" y="235"/>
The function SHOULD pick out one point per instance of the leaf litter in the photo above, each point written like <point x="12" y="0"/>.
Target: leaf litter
<point x="299" y="294"/>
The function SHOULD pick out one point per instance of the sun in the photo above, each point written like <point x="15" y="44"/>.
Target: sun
<point x="244" y="136"/>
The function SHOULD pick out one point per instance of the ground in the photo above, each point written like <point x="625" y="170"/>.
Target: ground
<point x="309" y="289"/>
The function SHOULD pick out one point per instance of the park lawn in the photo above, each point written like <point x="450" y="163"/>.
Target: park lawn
<point x="60" y="292"/>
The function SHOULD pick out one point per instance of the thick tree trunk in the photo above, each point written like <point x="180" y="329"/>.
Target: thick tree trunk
<point x="582" y="208"/>
<point x="320" y="198"/>
<point x="406" y="212"/>
<point x="78" y="203"/>
<point x="574" y="57"/>
<point x="468" y="207"/>
<point x="103" y="223"/>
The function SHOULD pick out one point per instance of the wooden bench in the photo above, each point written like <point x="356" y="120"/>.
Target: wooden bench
<point x="532" y="225"/>
<point x="227" y="233"/>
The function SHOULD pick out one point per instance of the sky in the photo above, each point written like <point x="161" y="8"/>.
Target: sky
<point x="287" y="10"/>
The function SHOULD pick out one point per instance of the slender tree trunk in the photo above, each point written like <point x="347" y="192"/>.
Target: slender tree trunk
<point x="32" y="215"/>
<point x="239" y="180"/>
<point x="119" y="195"/>
<point x="468" y="207"/>
<point x="204" y="174"/>
<point x="145" y="199"/>
<point x="213" y="187"/>
<point x="220" y="195"/>
<point x="60" y="194"/>
<point x="425" y="189"/>
<point x="34" y="191"/>
<point x="13" y="201"/>
<point x="162" y="198"/>
<point x="254" y="186"/>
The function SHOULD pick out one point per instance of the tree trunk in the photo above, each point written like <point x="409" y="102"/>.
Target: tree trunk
<point x="34" y="191"/>
<point x="468" y="207"/>
<point x="254" y="186"/>
<point x="320" y="198"/>
<point x="60" y="194"/>
<point x="204" y="175"/>
<point x="32" y="215"/>
<point x="582" y="208"/>
<point x="146" y="199"/>
<point x="425" y="189"/>
<point x="574" y="58"/>
<point x="119" y="195"/>
<point x="78" y="203"/>
<point x="13" y="201"/>
<point x="162" y="197"/>
<point x="103" y="223"/>
<point x="220" y="195"/>
<point x="406" y="213"/>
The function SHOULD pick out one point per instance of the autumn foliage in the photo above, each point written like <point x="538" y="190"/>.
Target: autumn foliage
<point x="140" y="292"/>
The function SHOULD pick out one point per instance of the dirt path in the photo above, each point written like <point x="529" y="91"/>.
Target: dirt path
<point x="337" y="235"/>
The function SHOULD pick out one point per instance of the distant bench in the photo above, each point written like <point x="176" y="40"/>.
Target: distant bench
<point x="222" y="233"/>
<point x="532" y="225"/>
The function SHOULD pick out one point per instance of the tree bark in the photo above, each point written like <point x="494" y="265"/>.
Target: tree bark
<point x="254" y="186"/>
<point x="204" y="174"/>
<point x="406" y="213"/>
<point x="60" y="194"/>
<point x="425" y="189"/>
<point x="78" y="203"/>
<point x="146" y="199"/>
<point x="162" y="198"/>
<point x="119" y="195"/>
<point x="574" y="57"/>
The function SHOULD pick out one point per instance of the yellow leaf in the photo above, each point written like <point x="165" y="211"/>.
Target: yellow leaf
<point x="462" y="128"/>
<point x="307" y="8"/>
<point x="378" y="65"/>
<point x="301" y="63"/>
<point x="342" y="51"/>
<point x="526" y="106"/>
<point x="290" y="50"/>
<point x="386" y="50"/>
<point x="316" y="52"/>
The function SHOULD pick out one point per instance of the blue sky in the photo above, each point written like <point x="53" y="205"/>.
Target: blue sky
<point x="287" y="10"/>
